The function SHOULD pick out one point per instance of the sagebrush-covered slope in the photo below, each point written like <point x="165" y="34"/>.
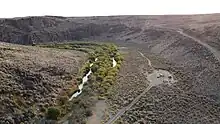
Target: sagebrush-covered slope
<point x="31" y="78"/>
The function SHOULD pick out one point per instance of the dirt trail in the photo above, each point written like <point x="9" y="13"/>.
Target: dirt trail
<point x="215" y="52"/>
<point x="122" y="111"/>
<point x="149" y="62"/>
<point x="211" y="49"/>
<point x="98" y="111"/>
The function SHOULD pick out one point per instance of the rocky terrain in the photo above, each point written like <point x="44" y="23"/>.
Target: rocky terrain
<point x="31" y="78"/>
<point x="187" y="46"/>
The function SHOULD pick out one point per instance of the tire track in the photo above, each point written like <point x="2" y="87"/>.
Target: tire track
<point x="149" y="62"/>
<point x="123" y="110"/>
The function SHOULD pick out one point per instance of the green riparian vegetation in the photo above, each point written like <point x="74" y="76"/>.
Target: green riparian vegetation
<point x="100" y="81"/>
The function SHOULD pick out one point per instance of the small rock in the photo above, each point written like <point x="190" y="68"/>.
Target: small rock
<point x="170" y="76"/>
<point x="166" y="81"/>
<point x="160" y="75"/>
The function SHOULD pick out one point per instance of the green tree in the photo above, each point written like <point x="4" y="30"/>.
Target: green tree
<point x="53" y="113"/>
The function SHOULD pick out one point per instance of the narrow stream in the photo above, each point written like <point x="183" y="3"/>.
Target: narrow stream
<point x="114" y="62"/>
<point x="85" y="79"/>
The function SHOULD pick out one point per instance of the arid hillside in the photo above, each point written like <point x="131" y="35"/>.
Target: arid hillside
<point x="26" y="30"/>
<point x="32" y="78"/>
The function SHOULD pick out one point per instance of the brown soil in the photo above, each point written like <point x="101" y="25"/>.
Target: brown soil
<point x="98" y="113"/>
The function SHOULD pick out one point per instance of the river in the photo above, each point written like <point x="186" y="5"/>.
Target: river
<point x="86" y="77"/>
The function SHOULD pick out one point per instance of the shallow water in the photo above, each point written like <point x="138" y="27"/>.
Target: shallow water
<point x="114" y="62"/>
<point x="85" y="79"/>
<point x="75" y="94"/>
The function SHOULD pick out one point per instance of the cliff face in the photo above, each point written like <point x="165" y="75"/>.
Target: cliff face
<point x="22" y="30"/>
<point x="124" y="28"/>
<point x="48" y="29"/>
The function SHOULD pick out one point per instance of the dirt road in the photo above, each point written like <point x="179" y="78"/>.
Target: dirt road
<point x="149" y="62"/>
<point x="215" y="52"/>
<point x="122" y="111"/>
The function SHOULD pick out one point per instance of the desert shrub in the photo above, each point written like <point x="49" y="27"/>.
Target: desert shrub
<point x="79" y="79"/>
<point x="119" y="62"/>
<point x="109" y="80"/>
<point x="99" y="78"/>
<point x="101" y="98"/>
<point x="85" y="69"/>
<point x="82" y="50"/>
<point x="100" y="81"/>
<point x="92" y="79"/>
<point x="19" y="102"/>
<point x="94" y="68"/>
<point x="109" y="77"/>
<point x="71" y="91"/>
<point x="92" y="57"/>
<point x="88" y="112"/>
<point x="62" y="100"/>
<point x="101" y="72"/>
<point x="118" y="57"/>
<point x="53" y="113"/>
<point x="113" y="72"/>
<point x="67" y="47"/>
<point x="118" y="66"/>
<point x="43" y="109"/>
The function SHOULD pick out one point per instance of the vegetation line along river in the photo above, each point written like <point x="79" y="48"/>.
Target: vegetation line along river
<point x="85" y="79"/>
<point x="98" y="73"/>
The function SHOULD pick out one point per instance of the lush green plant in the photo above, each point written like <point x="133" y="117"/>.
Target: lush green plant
<point x="53" y="113"/>
<point x="102" y="78"/>
<point x="102" y="69"/>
